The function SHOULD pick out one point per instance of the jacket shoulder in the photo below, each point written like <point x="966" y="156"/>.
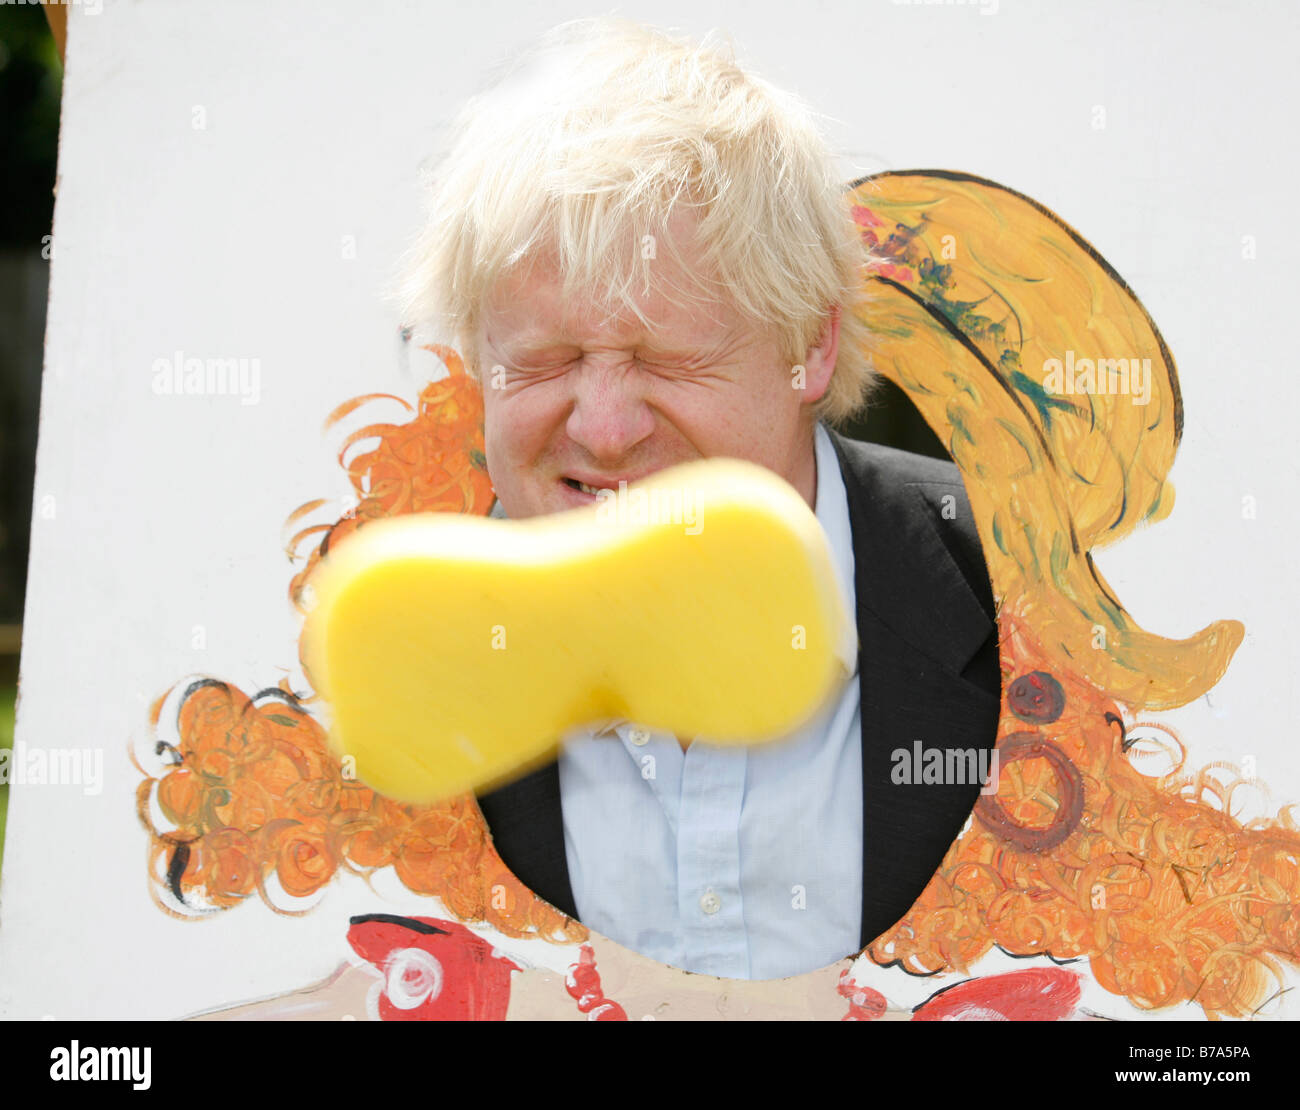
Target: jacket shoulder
<point x="895" y="466"/>
<point x="902" y="484"/>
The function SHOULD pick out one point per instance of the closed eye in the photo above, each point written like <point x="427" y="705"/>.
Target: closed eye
<point x="528" y="374"/>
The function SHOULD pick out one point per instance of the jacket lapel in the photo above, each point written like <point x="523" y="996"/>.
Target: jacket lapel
<point x="527" y="826"/>
<point x="927" y="666"/>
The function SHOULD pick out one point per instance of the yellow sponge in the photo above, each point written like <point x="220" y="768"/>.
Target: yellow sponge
<point x="454" y="651"/>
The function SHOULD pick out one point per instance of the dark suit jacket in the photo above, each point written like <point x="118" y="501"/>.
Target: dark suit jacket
<point x="927" y="668"/>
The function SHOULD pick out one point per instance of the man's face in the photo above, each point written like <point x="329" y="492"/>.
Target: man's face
<point x="582" y="399"/>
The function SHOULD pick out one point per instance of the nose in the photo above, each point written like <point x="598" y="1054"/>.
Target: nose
<point x="610" y="413"/>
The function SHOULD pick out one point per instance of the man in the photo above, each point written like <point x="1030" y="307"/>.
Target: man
<point x="647" y="258"/>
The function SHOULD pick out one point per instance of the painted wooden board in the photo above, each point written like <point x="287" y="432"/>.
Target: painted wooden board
<point x="235" y="184"/>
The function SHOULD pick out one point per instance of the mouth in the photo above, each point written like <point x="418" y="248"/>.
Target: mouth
<point x="582" y="487"/>
<point x="591" y="489"/>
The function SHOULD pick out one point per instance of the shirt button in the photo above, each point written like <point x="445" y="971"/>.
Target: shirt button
<point x="710" y="903"/>
<point x="639" y="737"/>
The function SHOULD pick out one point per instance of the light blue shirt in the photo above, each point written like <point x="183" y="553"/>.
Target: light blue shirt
<point x="731" y="861"/>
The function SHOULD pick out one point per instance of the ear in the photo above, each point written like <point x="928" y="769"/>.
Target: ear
<point x="819" y="361"/>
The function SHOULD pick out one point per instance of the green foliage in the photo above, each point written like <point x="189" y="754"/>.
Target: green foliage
<point x="31" y="84"/>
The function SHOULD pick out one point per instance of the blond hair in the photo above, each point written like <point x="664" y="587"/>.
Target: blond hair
<point x="587" y="147"/>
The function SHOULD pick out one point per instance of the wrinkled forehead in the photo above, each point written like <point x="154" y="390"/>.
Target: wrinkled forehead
<point x="536" y="308"/>
<point x="663" y="287"/>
